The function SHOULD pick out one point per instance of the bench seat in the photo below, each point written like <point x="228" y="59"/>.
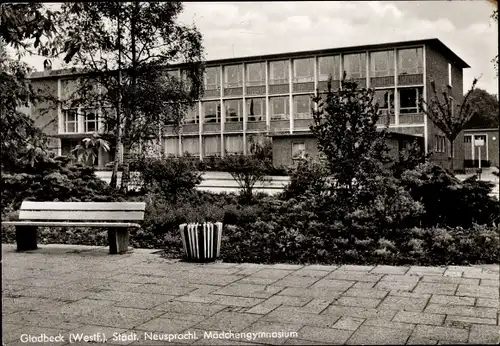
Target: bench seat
<point x="117" y="217"/>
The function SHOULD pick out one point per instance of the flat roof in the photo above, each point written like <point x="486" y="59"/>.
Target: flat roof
<point x="307" y="133"/>
<point x="431" y="42"/>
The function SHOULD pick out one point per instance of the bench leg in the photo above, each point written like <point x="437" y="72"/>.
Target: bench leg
<point x="26" y="238"/>
<point x="118" y="240"/>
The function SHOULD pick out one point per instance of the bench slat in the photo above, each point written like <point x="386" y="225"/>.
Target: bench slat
<point x="108" y="215"/>
<point x="99" y="206"/>
<point x="71" y="224"/>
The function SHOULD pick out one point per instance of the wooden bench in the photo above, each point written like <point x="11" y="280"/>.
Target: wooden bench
<point x="117" y="217"/>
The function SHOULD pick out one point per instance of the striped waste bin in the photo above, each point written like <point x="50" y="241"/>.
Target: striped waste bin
<point x="201" y="242"/>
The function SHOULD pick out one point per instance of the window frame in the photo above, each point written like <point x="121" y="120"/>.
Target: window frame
<point x="391" y="105"/>
<point x="469" y="137"/>
<point x="67" y="122"/>
<point x="418" y="69"/>
<point x="272" y="72"/>
<point x="302" y="154"/>
<point x="335" y="68"/>
<point x="306" y="78"/>
<point x="86" y="122"/>
<point x="193" y="119"/>
<point x="239" y="114"/>
<point x="255" y="82"/>
<point x="286" y="106"/>
<point x="217" y="76"/>
<point x="233" y="84"/>
<point x="262" y="116"/>
<point x="217" y="117"/>
<point x="440" y="144"/>
<point x="302" y="115"/>
<point x="362" y="66"/>
<point x="389" y="71"/>
<point x="403" y="110"/>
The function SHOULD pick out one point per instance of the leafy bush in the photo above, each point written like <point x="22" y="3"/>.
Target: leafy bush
<point x="447" y="201"/>
<point x="309" y="175"/>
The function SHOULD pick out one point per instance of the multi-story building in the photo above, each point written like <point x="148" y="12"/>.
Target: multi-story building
<point x="270" y="95"/>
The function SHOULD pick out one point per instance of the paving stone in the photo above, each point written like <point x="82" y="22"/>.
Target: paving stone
<point x="53" y="293"/>
<point x="354" y="311"/>
<point x="363" y="285"/>
<point x="247" y="271"/>
<point x="42" y="319"/>
<point x="440" y="333"/>
<point x="312" y="273"/>
<point x="295" y="315"/>
<point x="165" y="325"/>
<point x="355" y="268"/>
<point x="331" y="336"/>
<point x="296" y="281"/>
<point x="419" y="318"/>
<point x="451" y="319"/>
<point x="426" y="270"/>
<point x="303" y="342"/>
<point x="203" y="290"/>
<point x="286" y="331"/>
<point x="262" y="308"/>
<point x="400" y="278"/>
<point x="225" y="321"/>
<point x="420" y="341"/>
<point x="314" y="292"/>
<point x="133" y="299"/>
<point x="408" y="294"/>
<point x="389" y="270"/>
<point x="11" y="332"/>
<point x="375" y="322"/>
<point x="452" y="273"/>
<point x="34" y="331"/>
<point x="30" y="303"/>
<point x="489" y="303"/>
<point x="435" y="288"/>
<point x="357" y="301"/>
<point x="472" y="311"/>
<point x="379" y="336"/>
<point x="287" y="266"/>
<point x="248" y="290"/>
<point x="256" y="281"/>
<point x="327" y="268"/>
<point x="197" y="298"/>
<point x="478" y="291"/>
<point x="316" y="305"/>
<point x="219" y="271"/>
<point x="288" y="300"/>
<point x="337" y="285"/>
<point x="365" y="293"/>
<point x="480" y="334"/>
<point x="348" y="323"/>
<point x="238" y="301"/>
<point x="450" y="280"/>
<point x="195" y="308"/>
<point x="353" y="276"/>
<point x="119" y="317"/>
<point x="182" y="316"/>
<point x="396" y="285"/>
<point x="212" y="279"/>
<point x="272" y="273"/>
<point x="403" y="303"/>
<point x="485" y="282"/>
<point x="451" y="300"/>
<point x="482" y="275"/>
<point x="91" y="330"/>
<point x="37" y="282"/>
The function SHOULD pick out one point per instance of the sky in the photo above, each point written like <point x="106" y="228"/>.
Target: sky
<point x="237" y="29"/>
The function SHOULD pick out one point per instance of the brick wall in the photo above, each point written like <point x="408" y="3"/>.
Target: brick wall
<point x="45" y="114"/>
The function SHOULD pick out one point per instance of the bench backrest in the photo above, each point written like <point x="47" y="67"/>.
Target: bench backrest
<point x="82" y="211"/>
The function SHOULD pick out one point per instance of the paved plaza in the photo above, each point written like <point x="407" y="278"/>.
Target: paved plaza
<point x="63" y="291"/>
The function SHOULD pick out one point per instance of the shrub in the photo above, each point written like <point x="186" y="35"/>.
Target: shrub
<point x="446" y="200"/>
<point x="309" y="175"/>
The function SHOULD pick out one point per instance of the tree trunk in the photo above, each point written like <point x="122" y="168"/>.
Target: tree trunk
<point x="114" y="176"/>
<point x="451" y="157"/>
<point x="126" y="168"/>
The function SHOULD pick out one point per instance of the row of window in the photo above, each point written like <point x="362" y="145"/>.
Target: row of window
<point x="89" y="120"/>
<point x="410" y="61"/>
<point x="279" y="107"/>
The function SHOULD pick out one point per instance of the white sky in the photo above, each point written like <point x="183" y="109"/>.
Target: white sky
<point x="235" y="29"/>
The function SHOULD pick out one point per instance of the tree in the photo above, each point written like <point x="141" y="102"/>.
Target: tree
<point x="494" y="16"/>
<point x="125" y="50"/>
<point x="485" y="108"/>
<point x="27" y="28"/>
<point x="345" y="125"/>
<point x="448" y="117"/>
<point x="87" y="152"/>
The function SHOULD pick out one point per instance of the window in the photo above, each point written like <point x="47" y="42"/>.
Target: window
<point x="233" y="144"/>
<point x="234" y="110"/>
<point x="233" y="75"/>
<point x="192" y="116"/>
<point x="256" y="109"/>
<point x="256" y="74"/>
<point x="382" y="64"/>
<point x="440" y="145"/>
<point x="70" y="120"/>
<point x="449" y="74"/>
<point x="211" y="111"/>
<point x="212" y="78"/>
<point x="278" y="72"/>
<point x="90" y="120"/>
<point x="211" y="146"/>
<point x="298" y="151"/>
<point x="355" y="65"/>
<point x="173" y="73"/>
<point x="190" y="145"/>
<point x="329" y="66"/>
<point x="302" y="108"/>
<point x="410" y="61"/>
<point x="409" y="100"/>
<point x="385" y="100"/>
<point x="303" y="70"/>
<point x="280" y="108"/>
<point x="467" y="138"/>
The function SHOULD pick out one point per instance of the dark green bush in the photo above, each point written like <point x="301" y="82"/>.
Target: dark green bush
<point x="309" y="175"/>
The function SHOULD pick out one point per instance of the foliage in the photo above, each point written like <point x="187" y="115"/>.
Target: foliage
<point x="53" y="179"/>
<point x="169" y="177"/>
<point x="345" y="124"/>
<point x="88" y="152"/>
<point x="309" y="175"/>
<point x="447" y="201"/>
<point x="411" y="159"/>
<point x="485" y="109"/>
<point x="451" y="119"/>
<point x="126" y="49"/>
<point x="246" y="170"/>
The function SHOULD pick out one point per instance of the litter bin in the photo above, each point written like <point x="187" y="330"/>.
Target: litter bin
<point x="201" y="242"/>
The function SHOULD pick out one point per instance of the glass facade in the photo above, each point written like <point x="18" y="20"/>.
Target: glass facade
<point x="234" y="110"/>
<point x="355" y="65"/>
<point x="256" y="109"/>
<point x="302" y="107"/>
<point x="211" y="112"/>
<point x="410" y="61"/>
<point x="279" y="108"/>
<point x="303" y="70"/>
<point x="382" y="64"/>
<point x="328" y="66"/>
<point x="278" y="72"/>
<point x="256" y="74"/>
